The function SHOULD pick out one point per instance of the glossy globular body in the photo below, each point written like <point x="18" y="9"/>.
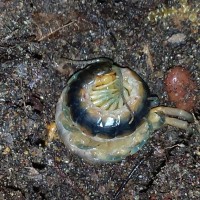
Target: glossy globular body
<point x="181" y="89"/>
<point x="105" y="112"/>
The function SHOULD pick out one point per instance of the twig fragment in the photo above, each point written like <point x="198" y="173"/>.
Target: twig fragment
<point x="53" y="32"/>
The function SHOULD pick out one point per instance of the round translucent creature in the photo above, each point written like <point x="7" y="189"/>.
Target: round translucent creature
<point x="106" y="112"/>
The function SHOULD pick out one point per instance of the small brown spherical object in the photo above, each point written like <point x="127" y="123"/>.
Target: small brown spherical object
<point x="181" y="89"/>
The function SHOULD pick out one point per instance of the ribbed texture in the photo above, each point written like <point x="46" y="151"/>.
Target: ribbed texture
<point x="108" y="96"/>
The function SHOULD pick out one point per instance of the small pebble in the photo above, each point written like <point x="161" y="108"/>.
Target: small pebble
<point x="177" y="38"/>
<point x="181" y="89"/>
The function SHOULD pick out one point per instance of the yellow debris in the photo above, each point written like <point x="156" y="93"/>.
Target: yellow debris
<point x="51" y="132"/>
<point x="6" y="151"/>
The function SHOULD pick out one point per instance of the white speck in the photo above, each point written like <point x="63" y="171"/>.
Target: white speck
<point x="177" y="38"/>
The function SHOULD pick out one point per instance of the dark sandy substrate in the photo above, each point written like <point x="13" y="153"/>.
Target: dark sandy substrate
<point x="33" y="35"/>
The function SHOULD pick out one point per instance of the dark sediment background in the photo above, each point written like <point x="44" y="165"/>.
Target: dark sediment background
<point x="149" y="36"/>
